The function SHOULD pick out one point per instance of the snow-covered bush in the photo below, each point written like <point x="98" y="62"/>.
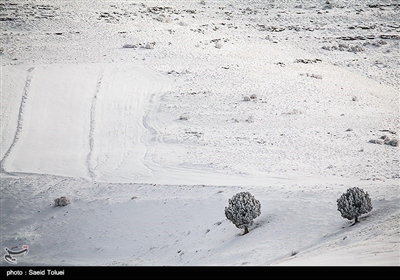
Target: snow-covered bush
<point x="393" y="142"/>
<point x="242" y="210"/>
<point x="150" y="45"/>
<point x="62" y="201"/>
<point x="164" y="19"/>
<point x="129" y="46"/>
<point x="184" y="118"/>
<point x="218" y="44"/>
<point x="385" y="140"/>
<point x="253" y="96"/>
<point x="344" y="47"/>
<point x="353" y="203"/>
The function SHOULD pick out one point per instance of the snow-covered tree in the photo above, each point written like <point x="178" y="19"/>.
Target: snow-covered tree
<point x="243" y="208"/>
<point x="353" y="203"/>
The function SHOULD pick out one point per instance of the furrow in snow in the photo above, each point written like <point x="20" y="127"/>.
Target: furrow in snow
<point x="20" y="118"/>
<point x="91" y="173"/>
<point x="154" y="138"/>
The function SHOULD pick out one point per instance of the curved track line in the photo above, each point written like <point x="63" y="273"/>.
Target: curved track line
<point x="90" y="168"/>
<point x="20" y="118"/>
<point x="149" y="124"/>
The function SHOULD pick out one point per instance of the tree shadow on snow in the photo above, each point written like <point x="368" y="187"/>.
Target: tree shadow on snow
<point x="260" y="222"/>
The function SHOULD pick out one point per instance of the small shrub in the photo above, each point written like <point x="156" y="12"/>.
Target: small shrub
<point x="62" y="201"/>
<point x="344" y="47"/>
<point x="353" y="203"/>
<point x="316" y="76"/>
<point x="150" y="45"/>
<point x="393" y="142"/>
<point x="306" y="61"/>
<point x="243" y="208"/>
<point x="293" y="112"/>
<point x="164" y="19"/>
<point x="184" y="118"/>
<point x="385" y="140"/>
<point x="253" y="96"/>
<point x="218" y="44"/>
<point x="129" y="46"/>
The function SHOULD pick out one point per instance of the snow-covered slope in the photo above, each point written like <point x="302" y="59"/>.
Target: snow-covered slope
<point x="150" y="115"/>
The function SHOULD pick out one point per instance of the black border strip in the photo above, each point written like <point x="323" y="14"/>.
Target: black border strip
<point x="200" y="272"/>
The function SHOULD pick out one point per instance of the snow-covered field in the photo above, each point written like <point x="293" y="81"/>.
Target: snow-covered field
<point x="150" y="115"/>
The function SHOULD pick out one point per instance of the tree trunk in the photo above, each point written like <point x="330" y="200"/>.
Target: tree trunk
<point x="246" y="230"/>
<point x="355" y="221"/>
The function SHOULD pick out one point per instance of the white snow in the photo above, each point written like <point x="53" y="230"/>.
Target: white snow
<point x="136" y="112"/>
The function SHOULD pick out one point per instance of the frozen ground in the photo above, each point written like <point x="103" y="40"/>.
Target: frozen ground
<point x="150" y="115"/>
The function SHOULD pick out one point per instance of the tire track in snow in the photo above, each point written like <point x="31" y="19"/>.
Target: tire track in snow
<point x="20" y="118"/>
<point x="153" y="137"/>
<point x="90" y="168"/>
<point x="148" y="122"/>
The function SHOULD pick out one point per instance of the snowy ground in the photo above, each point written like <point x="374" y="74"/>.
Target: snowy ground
<point x="136" y="111"/>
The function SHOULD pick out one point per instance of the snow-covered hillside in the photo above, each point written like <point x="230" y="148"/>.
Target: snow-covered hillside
<point x="150" y="115"/>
